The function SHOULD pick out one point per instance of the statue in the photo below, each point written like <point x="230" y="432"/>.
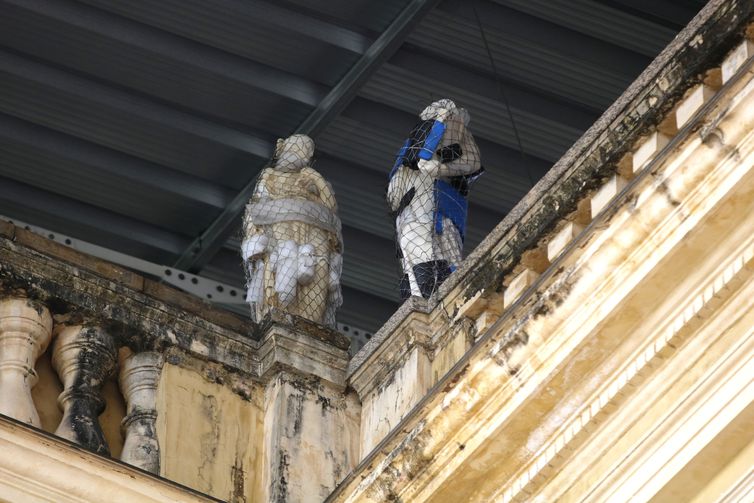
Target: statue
<point x="427" y="192"/>
<point x="292" y="246"/>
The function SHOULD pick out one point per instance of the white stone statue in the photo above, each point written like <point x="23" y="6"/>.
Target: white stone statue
<point x="292" y="246"/>
<point x="427" y="195"/>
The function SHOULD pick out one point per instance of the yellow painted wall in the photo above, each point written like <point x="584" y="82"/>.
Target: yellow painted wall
<point x="210" y="438"/>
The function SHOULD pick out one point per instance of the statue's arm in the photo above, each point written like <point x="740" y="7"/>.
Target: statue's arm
<point x="459" y="153"/>
<point x="255" y="241"/>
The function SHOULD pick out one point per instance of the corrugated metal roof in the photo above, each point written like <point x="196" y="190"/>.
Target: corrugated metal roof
<point x="133" y="124"/>
<point x="531" y="55"/>
<point x="600" y="21"/>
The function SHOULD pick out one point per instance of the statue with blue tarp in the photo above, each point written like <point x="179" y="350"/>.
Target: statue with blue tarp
<point x="427" y="195"/>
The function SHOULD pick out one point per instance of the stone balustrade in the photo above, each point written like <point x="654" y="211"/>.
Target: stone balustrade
<point x="84" y="358"/>
<point x="166" y="383"/>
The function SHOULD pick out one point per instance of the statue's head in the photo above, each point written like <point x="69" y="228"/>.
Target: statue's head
<point x="445" y="109"/>
<point x="293" y="153"/>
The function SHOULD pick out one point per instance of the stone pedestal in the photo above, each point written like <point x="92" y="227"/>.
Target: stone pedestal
<point x="25" y="331"/>
<point x="310" y="438"/>
<point x="139" y="375"/>
<point x="311" y="423"/>
<point x="83" y="357"/>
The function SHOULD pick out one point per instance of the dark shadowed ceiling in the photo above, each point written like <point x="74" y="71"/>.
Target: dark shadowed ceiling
<point x="139" y="125"/>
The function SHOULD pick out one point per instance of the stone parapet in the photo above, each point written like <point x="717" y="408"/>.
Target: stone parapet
<point x="507" y="267"/>
<point x="622" y="366"/>
<point x="209" y="399"/>
<point x="145" y="315"/>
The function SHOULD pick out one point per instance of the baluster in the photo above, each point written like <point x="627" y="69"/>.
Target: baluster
<point x="25" y="332"/>
<point x="83" y="357"/>
<point x="139" y="375"/>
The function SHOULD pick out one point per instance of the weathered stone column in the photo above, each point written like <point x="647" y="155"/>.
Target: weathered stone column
<point x="139" y="375"/>
<point x="311" y="423"/>
<point x="25" y="331"/>
<point x="84" y="357"/>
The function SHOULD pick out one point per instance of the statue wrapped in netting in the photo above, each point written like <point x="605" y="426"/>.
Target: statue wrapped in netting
<point x="427" y="195"/>
<point x="292" y="246"/>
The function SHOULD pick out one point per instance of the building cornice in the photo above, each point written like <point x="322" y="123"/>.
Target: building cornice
<point x="145" y="315"/>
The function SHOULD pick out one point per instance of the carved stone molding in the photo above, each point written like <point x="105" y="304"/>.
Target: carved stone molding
<point x="84" y="357"/>
<point x="302" y="346"/>
<point x="139" y="376"/>
<point x="25" y="331"/>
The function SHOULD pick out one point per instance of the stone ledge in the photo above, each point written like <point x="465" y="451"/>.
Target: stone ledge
<point x="155" y="316"/>
<point x="284" y="346"/>
<point x="73" y="474"/>
<point x="64" y="253"/>
<point x="414" y="330"/>
<point x="124" y="277"/>
<point x="411" y="305"/>
<point x="7" y="229"/>
<point x="296" y="323"/>
<point x="192" y="304"/>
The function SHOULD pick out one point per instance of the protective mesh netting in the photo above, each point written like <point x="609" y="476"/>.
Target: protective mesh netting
<point x="427" y="196"/>
<point x="292" y="247"/>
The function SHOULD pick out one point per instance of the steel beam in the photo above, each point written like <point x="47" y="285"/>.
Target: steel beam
<point x="507" y="24"/>
<point x="206" y="245"/>
<point x="259" y="12"/>
<point x="270" y="13"/>
<point x="382" y="48"/>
